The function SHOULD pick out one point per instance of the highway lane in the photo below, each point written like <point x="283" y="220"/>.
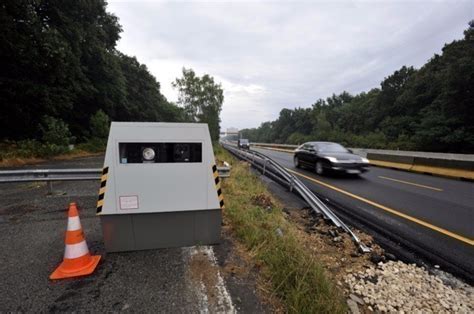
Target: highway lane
<point x="431" y="212"/>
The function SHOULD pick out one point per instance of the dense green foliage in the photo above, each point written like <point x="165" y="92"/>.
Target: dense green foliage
<point x="201" y="99"/>
<point x="430" y="109"/>
<point x="60" y="68"/>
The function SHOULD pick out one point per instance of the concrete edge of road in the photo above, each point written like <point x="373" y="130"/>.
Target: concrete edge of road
<point x="407" y="166"/>
<point x="439" y="171"/>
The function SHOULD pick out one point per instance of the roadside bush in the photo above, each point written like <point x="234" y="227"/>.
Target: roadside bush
<point x="93" y="145"/>
<point x="376" y="140"/>
<point x="55" y="132"/>
<point x="56" y="138"/>
<point x="29" y="148"/>
<point x="21" y="149"/>
<point x="298" y="138"/>
<point x="99" y="125"/>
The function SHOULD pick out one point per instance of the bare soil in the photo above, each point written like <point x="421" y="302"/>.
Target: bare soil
<point x="333" y="247"/>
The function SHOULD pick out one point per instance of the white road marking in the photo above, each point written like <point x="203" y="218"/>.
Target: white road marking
<point x="223" y="303"/>
<point x="412" y="183"/>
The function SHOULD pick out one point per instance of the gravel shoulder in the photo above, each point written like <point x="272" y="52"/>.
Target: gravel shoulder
<point x="400" y="287"/>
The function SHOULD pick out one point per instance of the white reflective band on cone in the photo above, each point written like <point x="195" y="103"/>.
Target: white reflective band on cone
<point x="76" y="250"/>
<point x="73" y="223"/>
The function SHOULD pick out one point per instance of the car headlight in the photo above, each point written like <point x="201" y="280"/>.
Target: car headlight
<point x="365" y="160"/>
<point x="148" y="154"/>
<point x="332" y="159"/>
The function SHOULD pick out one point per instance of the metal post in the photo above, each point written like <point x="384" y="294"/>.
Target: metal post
<point x="49" y="184"/>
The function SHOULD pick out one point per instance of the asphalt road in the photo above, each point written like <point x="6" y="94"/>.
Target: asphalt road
<point x="432" y="213"/>
<point x="175" y="280"/>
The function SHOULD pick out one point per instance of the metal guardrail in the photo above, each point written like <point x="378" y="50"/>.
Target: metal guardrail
<point x="51" y="175"/>
<point x="277" y="172"/>
<point x="288" y="146"/>
<point x="224" y="171"/>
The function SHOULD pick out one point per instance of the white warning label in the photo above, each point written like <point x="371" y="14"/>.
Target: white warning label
<point x="129" y="202"/>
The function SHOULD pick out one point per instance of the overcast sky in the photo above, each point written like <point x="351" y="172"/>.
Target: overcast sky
<point x="280" y="54"/>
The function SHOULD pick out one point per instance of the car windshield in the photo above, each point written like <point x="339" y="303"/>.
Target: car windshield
<point x="244" y="141"/>
<point x="331" y="148"/>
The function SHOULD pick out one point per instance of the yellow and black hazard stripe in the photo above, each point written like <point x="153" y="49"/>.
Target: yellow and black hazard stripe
<point x="103" y="183"/>
<point x="218" y="186"/>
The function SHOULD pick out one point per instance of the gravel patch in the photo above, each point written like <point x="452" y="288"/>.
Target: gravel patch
<point x="400" y="287"/>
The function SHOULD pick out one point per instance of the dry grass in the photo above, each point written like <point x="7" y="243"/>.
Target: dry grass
<point x="19" y="161"/>
<point x="297" y="279"/>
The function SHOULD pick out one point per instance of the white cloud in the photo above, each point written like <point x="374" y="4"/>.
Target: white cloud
<point x="270" y="55"/>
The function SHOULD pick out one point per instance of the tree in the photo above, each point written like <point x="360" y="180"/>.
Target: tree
<point x="99" y="125"/>
<point x="58" y="59"/>
<point x="201" y="99"/>
<point x="143" y="100"/>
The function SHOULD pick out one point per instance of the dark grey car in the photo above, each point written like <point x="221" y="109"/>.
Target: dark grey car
<point x="324" y="157"/>
<point x="243" y="143"/>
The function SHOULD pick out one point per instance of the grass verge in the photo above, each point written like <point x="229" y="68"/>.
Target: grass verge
<point x="297" y="279"/>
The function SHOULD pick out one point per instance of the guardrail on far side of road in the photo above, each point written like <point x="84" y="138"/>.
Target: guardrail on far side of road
<point x="451" y="165"/>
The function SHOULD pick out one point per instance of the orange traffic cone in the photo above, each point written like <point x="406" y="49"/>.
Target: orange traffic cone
<point x="77" y="259"/>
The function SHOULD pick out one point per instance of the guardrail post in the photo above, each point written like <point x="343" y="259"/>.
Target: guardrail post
<point x="264" y="166"/>
<point x="50" y="187"/>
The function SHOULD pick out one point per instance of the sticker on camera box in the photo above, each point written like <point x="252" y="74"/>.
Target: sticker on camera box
<point x="129" y="202"/>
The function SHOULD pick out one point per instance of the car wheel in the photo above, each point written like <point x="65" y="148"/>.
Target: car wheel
<point x="319" y="168"/>
<point x="296" y="161"/>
